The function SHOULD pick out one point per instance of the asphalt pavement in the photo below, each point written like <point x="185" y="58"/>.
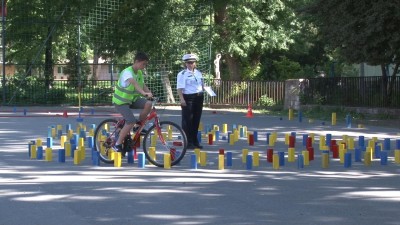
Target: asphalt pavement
<point x="37" y="192"/>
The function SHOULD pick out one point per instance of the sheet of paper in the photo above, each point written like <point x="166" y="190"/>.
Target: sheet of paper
<point x="210" y="91"/>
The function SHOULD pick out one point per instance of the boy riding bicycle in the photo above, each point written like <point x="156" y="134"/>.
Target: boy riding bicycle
<point x="130" y="93"/>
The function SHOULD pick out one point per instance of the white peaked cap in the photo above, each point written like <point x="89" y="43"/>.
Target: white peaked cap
<point x="190" y="57"/>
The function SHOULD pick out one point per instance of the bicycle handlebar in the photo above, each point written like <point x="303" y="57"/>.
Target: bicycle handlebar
<point x="153" y="99"/>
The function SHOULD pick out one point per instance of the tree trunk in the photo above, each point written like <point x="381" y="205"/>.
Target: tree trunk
<point x="234" y="68"/>
<point x="220" y="17"/>
<point x="391" y="84"/>
<point x="167" y="85"/>
<point x="48" y="64"/>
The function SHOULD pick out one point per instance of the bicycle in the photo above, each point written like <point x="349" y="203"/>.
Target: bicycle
<point x="162" y="137"/>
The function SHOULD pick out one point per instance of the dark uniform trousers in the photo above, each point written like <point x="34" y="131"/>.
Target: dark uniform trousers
<point x="191" y="115"/>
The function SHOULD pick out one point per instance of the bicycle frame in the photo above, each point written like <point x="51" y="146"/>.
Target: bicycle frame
<point x="152" y="116"/>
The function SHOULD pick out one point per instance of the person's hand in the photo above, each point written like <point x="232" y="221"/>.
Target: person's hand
<point x="183" y="102"/>
<point x="148" y="94"/>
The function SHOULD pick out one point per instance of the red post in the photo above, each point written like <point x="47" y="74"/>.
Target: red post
<point x="210" y="139"/>
<point x="221" y="151"/>
<point x="292" y="141"/>
<point x="309" y="142"/>
<point x="310" y="153"/>
<point x="335" y="151"/>
<point x="270" y="154"/>
<point x="251" y="139"/>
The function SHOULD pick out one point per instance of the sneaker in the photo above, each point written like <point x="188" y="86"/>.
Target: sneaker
<point x="117" y="148"/>
<point x="143" y="132"/>
<point x="190" y="146"/>
<point x="198" y="146"/>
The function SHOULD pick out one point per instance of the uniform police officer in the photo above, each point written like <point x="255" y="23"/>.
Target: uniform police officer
<point x="190" y="90"/>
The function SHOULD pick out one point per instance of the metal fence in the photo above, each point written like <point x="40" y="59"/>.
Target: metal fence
<point x="64" y="92"/>
<point x="352" y="91"/>
<point x="344" y="91"/>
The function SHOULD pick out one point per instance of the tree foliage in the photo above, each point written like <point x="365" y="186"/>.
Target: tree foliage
<point x="362" y="31"/>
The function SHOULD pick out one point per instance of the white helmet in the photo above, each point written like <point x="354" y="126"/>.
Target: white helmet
<point x="190" y="58"/>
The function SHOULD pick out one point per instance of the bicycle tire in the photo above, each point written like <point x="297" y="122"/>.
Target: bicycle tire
<point x="176" y="143"/>
<point x="104" y="139"/>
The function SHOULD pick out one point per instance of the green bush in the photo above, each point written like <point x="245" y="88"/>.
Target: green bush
<point x="265" y="101"/>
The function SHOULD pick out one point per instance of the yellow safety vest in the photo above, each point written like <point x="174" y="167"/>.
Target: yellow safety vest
<point x="128" y="94"/>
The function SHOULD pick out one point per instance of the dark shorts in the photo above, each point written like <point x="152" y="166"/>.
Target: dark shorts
<point x="126" y="111"/>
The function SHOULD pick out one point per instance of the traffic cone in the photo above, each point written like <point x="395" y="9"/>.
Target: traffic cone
<point x="65" y="114"/>
<point x="249" y="112"/>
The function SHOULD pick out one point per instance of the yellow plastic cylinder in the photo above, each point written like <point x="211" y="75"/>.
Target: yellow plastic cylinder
<point x="152" y="152"/>
<point x="397" y="156"/>
<point x="256" y="159"/>
<point x="77" y="160"/>
<point x="48" y="155"/>
<point x="82" y="152"/>
<point x="224" y="128"/>
<point x="63" y="139"/>
<point x="287" y="135"/>
<point x="39" y="142"/>
<point x="333" y="118"/>
<point x="221" y="161"/>
<point x="203" y="158"/>
<point x="325" y="160"/>
<point x="322" y="141"/>
<point x="291" y="114"/>
<point x="245" y="152"/>
<point x="67" y="147"/>
<point x="33" y="151"/>
<point x="117" y="159"/>
<point x="306" y="156"/>
<point x="231" y="139"/>
<point x="367" y="158"/>
<point x="291" y="155"/>
<point x="275" y="161"/>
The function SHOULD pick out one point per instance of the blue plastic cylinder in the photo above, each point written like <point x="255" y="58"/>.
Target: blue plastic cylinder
<point x="61" y="155"/>
<point x="384" y="158"/>
<point x="229" y="159"/>
<point x="249" y="162"/>
<point x="378" y="151"/>
<point x="328" y="139"/>
<point x="281" y="158"/>
<point x="193" y="161"/>
<point x="347" y="160"/>
<point x="361" y="141"/>
<point x="39" y="153"/>
<point x="49" y="142"/>
<point x="300" y="161"/>
<point x="386" y="144"/>
<point x="130" y="158"/>
<point x="357" y="155"/>
<point x="141" y="160"/>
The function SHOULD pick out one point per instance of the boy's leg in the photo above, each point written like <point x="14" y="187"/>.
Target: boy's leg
<point x="142" y="103"/>
<point x="130" y="121"/>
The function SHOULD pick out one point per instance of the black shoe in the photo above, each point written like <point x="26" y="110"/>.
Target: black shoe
<point x="198" y="146"/>
<point x="118" y="148"/>
<point x="190" y="146"/>
<point x="143" y="132"/>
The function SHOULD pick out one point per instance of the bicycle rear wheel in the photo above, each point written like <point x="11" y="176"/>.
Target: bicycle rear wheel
<point x="105" y="138"/>
<point x="175" y="143"/>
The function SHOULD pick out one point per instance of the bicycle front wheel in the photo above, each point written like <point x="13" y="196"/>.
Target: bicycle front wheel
<point x="169" y="142"/>
<point x="105" y="138"/>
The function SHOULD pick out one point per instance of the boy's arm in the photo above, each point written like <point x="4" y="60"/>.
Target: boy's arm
<point x="139" y="89"/>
